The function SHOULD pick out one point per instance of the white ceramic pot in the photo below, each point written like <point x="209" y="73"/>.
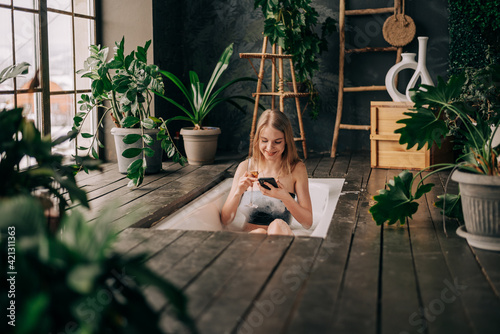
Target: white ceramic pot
<point x="153" y="163"/>
<point x="480" y="196"/>
<point x="200" y="145"/>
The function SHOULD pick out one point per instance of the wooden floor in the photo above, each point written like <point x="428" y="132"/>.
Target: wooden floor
<point x="362" y="278"/>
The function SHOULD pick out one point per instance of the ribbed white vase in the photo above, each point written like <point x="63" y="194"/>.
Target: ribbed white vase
<point x="407" y="62"/>
<point x="421" y="70"/>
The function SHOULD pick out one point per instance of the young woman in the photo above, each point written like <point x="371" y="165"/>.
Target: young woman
<point x="270" y="210"/>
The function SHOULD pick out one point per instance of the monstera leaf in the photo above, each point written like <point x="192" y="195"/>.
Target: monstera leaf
<point x="426" y="125"/>
<point x="452" y="206"/>
<point x="422" y="127"/>
<point x="396" y="203"/>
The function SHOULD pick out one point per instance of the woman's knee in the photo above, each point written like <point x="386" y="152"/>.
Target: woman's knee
<point x="259" y="230"/>
<point x="280" y="227"/>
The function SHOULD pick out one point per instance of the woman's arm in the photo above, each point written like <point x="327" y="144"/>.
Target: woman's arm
<point x="241" y="182"/>
<point x="301" y="209"/>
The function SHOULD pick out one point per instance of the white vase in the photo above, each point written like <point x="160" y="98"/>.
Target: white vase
<point x="407" y="62"/>
<point x="421" y="71"/>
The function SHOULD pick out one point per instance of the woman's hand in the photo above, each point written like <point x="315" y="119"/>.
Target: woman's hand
<point x="279" y="193"/>
<point x="244" y="182"/>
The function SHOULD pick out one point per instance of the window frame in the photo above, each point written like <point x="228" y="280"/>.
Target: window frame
<point x="43" y="116"/>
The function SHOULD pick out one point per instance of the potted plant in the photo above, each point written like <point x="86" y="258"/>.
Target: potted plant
<point x="439" y="111"/>
<point x="200" y="141"/>
<point x="292" y="25"/>
<point x="123" y="86"/>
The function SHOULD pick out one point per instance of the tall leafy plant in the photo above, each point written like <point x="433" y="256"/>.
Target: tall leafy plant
<point x="436" y="111"/>
<point x="291" y="24"/>
<point x="123" y="87"/>
<point x="203" y="99"/>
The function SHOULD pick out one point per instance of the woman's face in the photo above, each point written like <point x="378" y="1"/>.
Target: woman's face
<point x="271" y="143"/>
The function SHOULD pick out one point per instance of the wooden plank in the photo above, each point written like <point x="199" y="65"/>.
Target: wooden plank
<point x="129" y="238"/>
<point x="105" y="168"/>
<point x="490" y="263"/>
<point x="192" y="265"/>
<point x="274" y="305"/>
<point x="213" y="280"/>
<point x="354" y="127"/>
<point x="311" y="163"/>
<point x="339" y="169"/>
<point x="370" y="11"/>
<point x="324" y="167"/>
<point x="357" y="309"/>
<point x="358" y="173"/>
<point x="126" y="195"/>
<point x="364" y="89"/>
<point x="158" y="240"/>
<point x="372" y="49"/>
<point x="481" y="304"/>
<point x="399" y="290"/>
<point x="225" y="311"/>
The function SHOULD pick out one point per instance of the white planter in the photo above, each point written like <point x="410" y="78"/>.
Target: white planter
<point x="153" y="163"/>
<point x="200" y="145"/>
<point x="480" y="196"/>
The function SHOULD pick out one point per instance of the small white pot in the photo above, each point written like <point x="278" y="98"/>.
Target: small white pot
<point x="200" y="145"/>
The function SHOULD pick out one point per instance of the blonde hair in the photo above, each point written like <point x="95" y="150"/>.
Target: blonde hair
<point x="280" y="122"/>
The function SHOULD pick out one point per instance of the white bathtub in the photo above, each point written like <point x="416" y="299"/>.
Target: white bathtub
<point x="204" y="212"/>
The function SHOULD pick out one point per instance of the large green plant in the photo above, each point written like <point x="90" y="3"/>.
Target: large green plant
<point x="73" y="280"/>
<point x="123" y="87"/>
<point x="436" y="111"/>
<point x="291" y="24"/>
<point x="203" y="99"/>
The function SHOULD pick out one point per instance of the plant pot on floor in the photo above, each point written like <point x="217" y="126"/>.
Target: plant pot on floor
<point x="480" y="196"/>
<point x="153" y="163"/>
<point x="200" y="145"/>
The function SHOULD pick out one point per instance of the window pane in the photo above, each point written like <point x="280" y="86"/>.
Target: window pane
<point x="60" y="52"/>
<point x="84" y="37"/>
<point x="30" y="102"/>
<point x="25" y="26"/>
<point x="6" y="45"/>
<point x="61" y="119"/>
<point x="6" y="101"/>
<point x="59" y="4"/>
<point x="32" y="4"/>
<point x="85" y="7"/>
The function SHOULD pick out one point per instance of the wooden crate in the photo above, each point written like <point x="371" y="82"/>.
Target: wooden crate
<point x="386" y="152"/>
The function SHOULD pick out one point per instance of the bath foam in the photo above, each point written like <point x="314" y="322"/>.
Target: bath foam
<point x="204" y="212"/>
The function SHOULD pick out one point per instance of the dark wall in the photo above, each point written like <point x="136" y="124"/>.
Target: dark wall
<point x="191" y="35"/>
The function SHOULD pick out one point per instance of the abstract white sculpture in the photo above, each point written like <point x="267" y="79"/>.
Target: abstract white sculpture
<point x="408" y="62"/>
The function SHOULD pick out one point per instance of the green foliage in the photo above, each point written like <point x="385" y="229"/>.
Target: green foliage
<point x="291" y="24"/>
<point x="20" y="139"/>
<point x="73" y="279"/>
<point x="474" y="27"/>
<point x="13" y="71"/>
<point x="437" y="112"/>
<point x="123" y="86"/>
<point x="397" y="202"/>
<point x="203" y="100"/>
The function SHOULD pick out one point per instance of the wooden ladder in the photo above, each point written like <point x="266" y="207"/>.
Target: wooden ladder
<point x="277" y="69"/>
<point x="343" y="51"/>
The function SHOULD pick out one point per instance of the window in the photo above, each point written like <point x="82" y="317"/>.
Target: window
<point x="55" y="51"/>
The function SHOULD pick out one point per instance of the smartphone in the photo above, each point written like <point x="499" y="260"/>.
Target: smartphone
<point x="269" y="180"/>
